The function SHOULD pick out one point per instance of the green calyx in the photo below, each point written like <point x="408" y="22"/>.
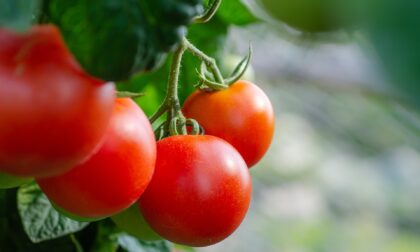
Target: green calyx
<point x="132" y="222"/>
<point x="10" y="181"/>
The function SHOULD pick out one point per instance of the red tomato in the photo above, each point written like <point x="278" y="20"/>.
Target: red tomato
<point x="114" y="177"/>
<point x="52" y="114"/>
<point x="200" y="191"/>
<point x="242" y="115"/>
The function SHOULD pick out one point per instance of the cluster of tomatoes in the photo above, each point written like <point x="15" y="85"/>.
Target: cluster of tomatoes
<point x="95" y="155"/>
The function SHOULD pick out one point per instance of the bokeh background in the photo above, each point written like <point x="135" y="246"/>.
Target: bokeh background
<point x="343" y="171"/>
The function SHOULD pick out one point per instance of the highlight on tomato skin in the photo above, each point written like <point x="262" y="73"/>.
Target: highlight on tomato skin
<point x="113" y="178"/>
<point x="241" y="114"/>
<point x="200" y="192"/>
<point x="53" y="115"/>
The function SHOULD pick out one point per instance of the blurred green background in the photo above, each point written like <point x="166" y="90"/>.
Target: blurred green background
<point x="343" y="171"/>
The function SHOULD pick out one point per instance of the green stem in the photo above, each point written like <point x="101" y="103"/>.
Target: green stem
<point x="175" y="123"/>
<point x="209" y="13"/>
<point x="76" y="243"/>
<point x="171" y="102"/>
<point x="172" y="95"/>
<point x="163" y="108"/>
<point x="210" y="62"/>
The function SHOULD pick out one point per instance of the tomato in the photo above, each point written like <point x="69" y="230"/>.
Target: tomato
<point x="305" y="15"/>
<point x="200" y="191"/>
<point x="242" y="115"/>
<point x="9" y="181"/>
<point x="132" y="222"/>
<point x="115" y="176"/>
<point x="52" y="114"/>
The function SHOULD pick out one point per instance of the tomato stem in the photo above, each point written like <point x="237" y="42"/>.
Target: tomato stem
<point x="208" y="13"/>
<point x="76" y="243"/>
<point x="209" y="62"/>
<point x="171" y="104"/>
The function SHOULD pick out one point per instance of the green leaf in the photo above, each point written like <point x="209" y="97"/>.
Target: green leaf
<point x="235" y="12"/>
<point x="17" y="14"/>
<point x="109" y="48"/>
<point x="131" y="244"/>
<point x="40" y="220"/>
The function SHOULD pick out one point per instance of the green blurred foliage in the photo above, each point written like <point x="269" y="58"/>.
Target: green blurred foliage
<point x="305" y="15"/>
<point x="18" y="14"/>
<point x="393" y="27"/>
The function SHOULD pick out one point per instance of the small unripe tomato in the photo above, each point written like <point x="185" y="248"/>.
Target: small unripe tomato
<point x="241" y="114"/>
<point x="114" y="177"/>
<point x="200" y="191"/>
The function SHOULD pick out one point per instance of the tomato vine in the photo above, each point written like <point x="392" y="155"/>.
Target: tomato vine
<point x="210" y="77"/>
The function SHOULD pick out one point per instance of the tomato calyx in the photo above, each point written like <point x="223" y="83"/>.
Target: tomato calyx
<point x="210" y="79"/>
<point x="209" y="13"/>
<point x="209" y="82"/>
<point x="127" y="94"/>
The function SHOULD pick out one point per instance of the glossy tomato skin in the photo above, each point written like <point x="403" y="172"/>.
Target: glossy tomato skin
<point x="52" y="114"/>
<point x="115" y="176"/>
<point x="200" y="191"/>
<point x="242" y="115"/>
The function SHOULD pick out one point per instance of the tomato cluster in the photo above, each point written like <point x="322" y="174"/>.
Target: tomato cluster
<point x="96" y="156"/>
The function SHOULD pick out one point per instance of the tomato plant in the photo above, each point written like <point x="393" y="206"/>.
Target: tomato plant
<point x="50" y="107"/>
<point x="241" y="114"/>
<point x="200" y="191"/>
<point x="52" y="114"/>
<point x="114" y="177"/>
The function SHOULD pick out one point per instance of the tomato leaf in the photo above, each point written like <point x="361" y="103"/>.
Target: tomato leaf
<point x="131" y="244"/>
<point x="17" y="14"/>
<point x="40" y="220"/>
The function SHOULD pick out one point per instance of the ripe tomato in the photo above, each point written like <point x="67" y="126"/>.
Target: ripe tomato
<point x="242" y="115"/>
<point x="132" y="222"/>
<point x="52" y="114"/>
<point x="115" y="176"/>
<point x="305" y="15"/>
<point x="200" y="191"/>
<point x="9" y="181"/>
